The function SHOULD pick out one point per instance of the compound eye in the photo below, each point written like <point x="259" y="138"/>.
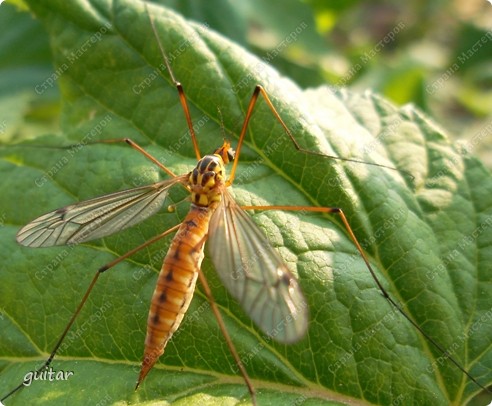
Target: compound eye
<point x="231" y="154"/>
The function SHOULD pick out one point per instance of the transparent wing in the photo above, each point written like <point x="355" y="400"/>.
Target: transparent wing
<point x="255" y="274"/>
<point x="96" y="218"/>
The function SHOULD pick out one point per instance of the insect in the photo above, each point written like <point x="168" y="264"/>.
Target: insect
<point x="164" y="185"/>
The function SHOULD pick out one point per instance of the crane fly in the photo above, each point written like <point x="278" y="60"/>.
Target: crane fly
<point x="250" y="269"/>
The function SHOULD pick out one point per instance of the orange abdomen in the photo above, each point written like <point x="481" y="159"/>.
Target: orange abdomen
<point x="175" y="285"/>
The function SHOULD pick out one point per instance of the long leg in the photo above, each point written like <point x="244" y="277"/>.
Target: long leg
<point x="128" y="141"/>
<point x="254" y="98"/>
<point x="226" y="335"/>
<point x="179" y="87"/>
<point x="339" y="211"/>
<point x="138" y="148"/>
<point x="86" y="296"/>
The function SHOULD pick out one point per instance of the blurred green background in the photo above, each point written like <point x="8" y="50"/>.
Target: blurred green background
<point x="436" y="55"/>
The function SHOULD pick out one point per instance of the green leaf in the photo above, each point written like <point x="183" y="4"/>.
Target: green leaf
<point x="429" y="238"/>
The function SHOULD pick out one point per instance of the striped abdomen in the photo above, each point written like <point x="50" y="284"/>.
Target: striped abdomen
<point x="175" y="285"/>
